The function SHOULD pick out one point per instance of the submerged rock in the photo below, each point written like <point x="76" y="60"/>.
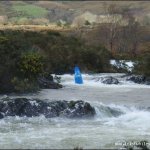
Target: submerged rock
<point x="30" y="108"/>
<point x="109" y="80"/>
<point x="111" y="112"/>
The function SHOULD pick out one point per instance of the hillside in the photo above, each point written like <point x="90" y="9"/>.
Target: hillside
<point x="66" y="12"/>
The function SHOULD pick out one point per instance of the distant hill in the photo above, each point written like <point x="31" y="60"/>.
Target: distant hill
<point x="46" y="12"/>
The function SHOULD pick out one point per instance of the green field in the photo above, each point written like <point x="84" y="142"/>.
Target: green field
<point x="30" y="10"/>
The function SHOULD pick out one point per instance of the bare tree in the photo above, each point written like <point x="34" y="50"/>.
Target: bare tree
<point x="121" y="31"/>
<point x="129" y="37"/>
<point x="114" y="21"/>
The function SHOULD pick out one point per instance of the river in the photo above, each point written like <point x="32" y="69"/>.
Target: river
<point x="105" y="130"/>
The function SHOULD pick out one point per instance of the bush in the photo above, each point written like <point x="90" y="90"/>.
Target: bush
<point x="96" y="59"/>
<point x="24" y="85"/>
<point x="31" y="65"/>
<point x="9" y="55"/>
<point x="87" y="23"/>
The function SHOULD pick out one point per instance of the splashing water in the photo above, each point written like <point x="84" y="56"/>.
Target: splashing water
<point x="121" y="115"/>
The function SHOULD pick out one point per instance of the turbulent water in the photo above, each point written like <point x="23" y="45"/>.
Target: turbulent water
<point x="121" y="115"/>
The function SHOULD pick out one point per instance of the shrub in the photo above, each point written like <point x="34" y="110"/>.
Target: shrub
<point x="24" y="85"/>
<point x="87" y="23"/>
<point x="31" y="65"/>
<point x="9" y="54"/>
<point x="96" y="59"/>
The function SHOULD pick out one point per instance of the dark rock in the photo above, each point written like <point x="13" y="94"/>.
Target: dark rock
<point x="57" y="79"/>
<point x="30" y="108"/>
<point x="137" y="79"/>
<point x="49" y="77"/>
<point x="78" y="109"/>
<point x="1" y="116"/>
<point x="140" y="79"/>
<point x="48" y="84"/>
<point x="147" y="81"/>
<point x="148" y="108"/>
<point x="109" y="80"/>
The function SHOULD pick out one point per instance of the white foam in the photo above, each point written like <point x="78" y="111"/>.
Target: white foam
<point x="102" y="131"/>
<point x="90" y="81"/>
<point x="40" y="132"/>
<point x="139" y="120"/>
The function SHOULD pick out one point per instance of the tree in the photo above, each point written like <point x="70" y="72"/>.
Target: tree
<point x="129" y="37"/>
<point x="134" y="35"/>
<point x="114" y="20"/>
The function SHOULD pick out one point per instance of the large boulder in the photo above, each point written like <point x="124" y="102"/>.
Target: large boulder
<point x="34" y="107"/>
<point x="140" y="79"/>
<point x="45" y="83"/>
<point x="78" y="109"/>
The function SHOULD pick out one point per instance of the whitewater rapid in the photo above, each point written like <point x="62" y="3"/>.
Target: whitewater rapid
<point x="122" y="114"/>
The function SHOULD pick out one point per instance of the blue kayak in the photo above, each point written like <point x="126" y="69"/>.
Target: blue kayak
<point x="77" y="76"/>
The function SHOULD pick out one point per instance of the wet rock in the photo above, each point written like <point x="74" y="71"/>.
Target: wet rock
<point x="109" y="80"/>
<point x="140" y="79"/>
<point x="136" y="78"/>
<point x="1" y="116"/>
<point x="106" y="80"/>
<point x="30" y="108"/>
<point x="147" y="81"/>
<point x="78" y="109"/>
<point x="45" y="83"/>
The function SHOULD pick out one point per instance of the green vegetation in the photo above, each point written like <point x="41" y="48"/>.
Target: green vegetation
<point x="96" y="58"/>
<point x="87" y="23"/>
<point x="24" y="85"/>
<point x="26" y="55"/>
<point x="30" y="10"/>
<point x="30" y="65"/>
